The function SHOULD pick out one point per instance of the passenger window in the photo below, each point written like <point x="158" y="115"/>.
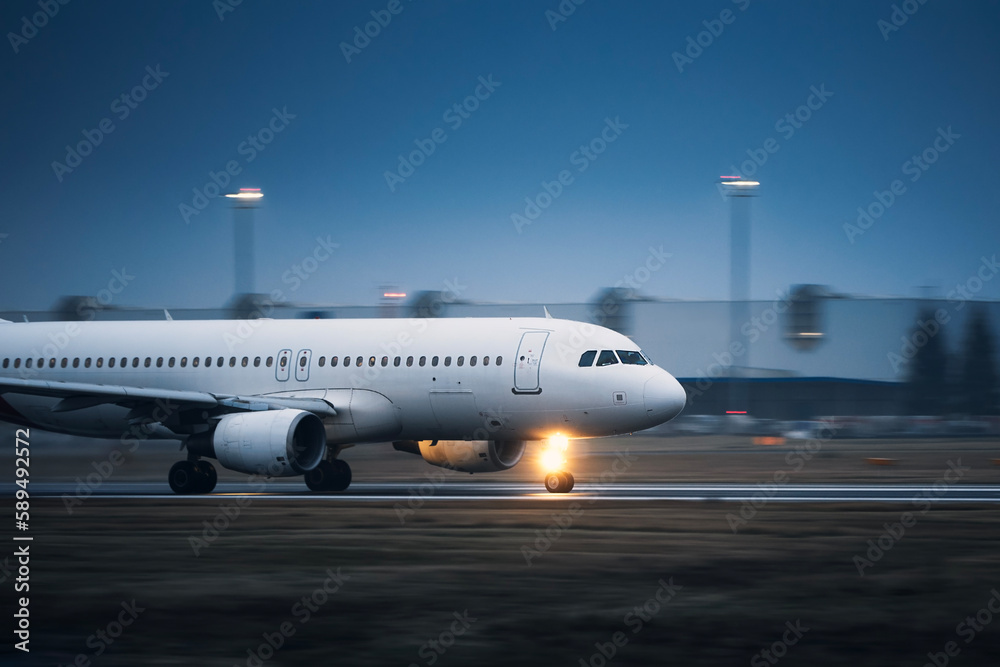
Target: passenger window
<point x="100" y="362"/>
<point x="283" y="361"/>
<point x="256" y="362"/>
<point x="587" y="358"/>
<point x="486" y="361"/>
<point x="371" y="361"/>
<point x="245" y="361"/>
<point x="631" y="357"/>
<point x="360" y="361"/>
<point x="111" y="362"/>
<point x="148" y="362"/>
<point x="409" y="361"/>
<point x="447" y="361"/>
<point x="17" y="363"/>
<point x="159" y="362"/>
<point x="170" y="363"/>
<point x="385" y="361"/>
<point x="303" y="360"/>
<point x="6" y="363"/>
<point x="423" y="361"/>
<point x="220" y="361"/>
<point x="124" y="362"/>
<point x="232" y="362"/>
<point x="86" y="362"/>
<point x="460" y="361"/>
<point x="65" y="362"/>
<point x="607" y="358"/>
<point x="434" y="361"/>
<point x="347" y="362"/>
<point x="28" y="362"/>
<point x="472" y="361"/>
<point x="270" y="362"/>
<point x="52" y="362"/>
<point x="396" y="361"/>
<point x="194" y="362"/>
<point x="184" y="362"/>
<point x="208" y="362"/>
<point x="321" y="362"/>
<point x="333" y="361"/>
<point x="76" y="362"/>
<point x="499" y="361"/>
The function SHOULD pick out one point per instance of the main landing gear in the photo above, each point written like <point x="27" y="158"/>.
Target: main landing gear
<point x="559" y="482"/>
<point x="329" y="475"/>
<point x="187" y="477"/>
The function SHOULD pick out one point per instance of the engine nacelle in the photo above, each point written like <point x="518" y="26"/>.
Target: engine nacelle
<point x="276" y="443"/>
<point x="467" y="455"/>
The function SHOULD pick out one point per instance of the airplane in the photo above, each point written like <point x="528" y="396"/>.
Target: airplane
<point x="282" y="398"/>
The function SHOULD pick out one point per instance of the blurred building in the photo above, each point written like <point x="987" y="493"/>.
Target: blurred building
<point x="811" y="352"/>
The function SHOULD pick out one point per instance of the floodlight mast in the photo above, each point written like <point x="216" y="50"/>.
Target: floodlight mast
<point x="739" y="191"/>
<point x="244" y="203"/>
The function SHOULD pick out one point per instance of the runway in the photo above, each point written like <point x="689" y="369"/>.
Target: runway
<point x="511" y="492"/>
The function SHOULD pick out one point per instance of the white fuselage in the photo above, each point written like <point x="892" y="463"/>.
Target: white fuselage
<point x="403" y="379"/>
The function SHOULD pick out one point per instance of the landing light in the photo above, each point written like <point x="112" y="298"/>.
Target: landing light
<point x="554" y="456"/>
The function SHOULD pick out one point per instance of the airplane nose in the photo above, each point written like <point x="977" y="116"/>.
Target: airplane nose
<point x="664" y="398"/>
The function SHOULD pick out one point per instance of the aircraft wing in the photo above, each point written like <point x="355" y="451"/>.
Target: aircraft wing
<point x="79" y="395"/>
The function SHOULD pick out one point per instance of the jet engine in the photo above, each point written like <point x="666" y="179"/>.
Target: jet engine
<point x="276" y="443"/>
<point x="467" y="455"/>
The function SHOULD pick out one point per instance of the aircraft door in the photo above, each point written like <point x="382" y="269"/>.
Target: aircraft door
<point x="528" y="361"/>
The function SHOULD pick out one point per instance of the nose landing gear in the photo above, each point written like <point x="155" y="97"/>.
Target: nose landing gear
<point x="559" y="482"/>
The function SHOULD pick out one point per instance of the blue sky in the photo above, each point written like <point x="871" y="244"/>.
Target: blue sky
<point x="552" y="91"/>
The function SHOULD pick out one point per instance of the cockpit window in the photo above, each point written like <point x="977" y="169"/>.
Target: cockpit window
<point x="587" y="358"/>
<point x="607" y="358"/>
<point x="634" y="358"/>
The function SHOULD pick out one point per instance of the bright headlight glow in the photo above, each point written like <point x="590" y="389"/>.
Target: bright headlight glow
<point x="554" y="456"/>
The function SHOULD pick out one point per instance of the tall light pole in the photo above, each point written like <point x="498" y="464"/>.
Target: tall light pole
<point x="739" y="191"/>
<point x="244" y="203"/>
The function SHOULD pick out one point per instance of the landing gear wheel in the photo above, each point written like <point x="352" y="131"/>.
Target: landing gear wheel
<point x="341" y="475"/>
<point x="332" y="475"/>
<point x="207" y="476"/>
<point x="183" y="477"/>
<point x="559" y="482"/>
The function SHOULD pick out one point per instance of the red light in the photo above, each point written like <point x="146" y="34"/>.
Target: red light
<point x="736" y="412"/>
